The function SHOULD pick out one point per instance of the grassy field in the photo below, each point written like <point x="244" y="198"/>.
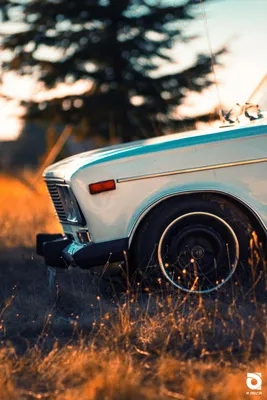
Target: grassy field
<point x="93" y="343"/>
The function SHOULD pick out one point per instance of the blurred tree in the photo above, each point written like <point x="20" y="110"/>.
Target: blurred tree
<point x="117" y="45"/>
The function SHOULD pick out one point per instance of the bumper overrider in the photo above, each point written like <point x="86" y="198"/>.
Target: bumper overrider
<point x="61" y="252"/>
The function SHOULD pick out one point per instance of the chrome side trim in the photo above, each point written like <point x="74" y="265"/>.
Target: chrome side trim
<point x="190" y="170"/>
<point x="150" y="206"/>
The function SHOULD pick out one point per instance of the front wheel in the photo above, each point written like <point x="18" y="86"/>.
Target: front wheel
<point x="198" y="252"/>
<point x="198" y="244"/>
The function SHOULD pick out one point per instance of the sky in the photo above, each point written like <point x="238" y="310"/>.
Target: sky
<point x="238" y="24"/>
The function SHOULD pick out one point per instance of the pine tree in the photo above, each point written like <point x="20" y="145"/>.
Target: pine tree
<point x="115" y="44"/>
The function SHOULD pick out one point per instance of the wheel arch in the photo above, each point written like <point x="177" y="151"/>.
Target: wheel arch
<point x="245" y="207"/>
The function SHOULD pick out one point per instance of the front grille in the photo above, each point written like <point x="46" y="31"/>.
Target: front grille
<point x="54" y="194"/>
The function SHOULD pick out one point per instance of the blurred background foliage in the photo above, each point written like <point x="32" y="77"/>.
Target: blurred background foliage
<point x="116" y="48"/>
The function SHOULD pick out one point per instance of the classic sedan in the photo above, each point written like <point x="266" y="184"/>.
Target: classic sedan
<point x="186" y="208"/>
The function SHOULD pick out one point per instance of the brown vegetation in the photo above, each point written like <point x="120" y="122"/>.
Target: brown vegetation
<point x="93" y="343"/>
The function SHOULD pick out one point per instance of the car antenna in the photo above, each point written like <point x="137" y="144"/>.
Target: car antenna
<point x="204" y="15"/>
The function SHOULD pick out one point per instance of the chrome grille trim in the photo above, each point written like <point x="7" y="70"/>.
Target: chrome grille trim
<point x="52" y="189"/>
<point x="52" y="186"/>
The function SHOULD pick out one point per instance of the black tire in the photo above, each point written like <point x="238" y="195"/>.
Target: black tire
<point x="143" y="257"/>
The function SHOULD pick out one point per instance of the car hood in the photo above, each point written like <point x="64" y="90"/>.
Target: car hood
<point x="66" y="168"/>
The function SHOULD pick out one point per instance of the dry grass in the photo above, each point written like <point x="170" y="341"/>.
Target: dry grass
<point x="95" y="344"/>
<point x="24" y="210"/>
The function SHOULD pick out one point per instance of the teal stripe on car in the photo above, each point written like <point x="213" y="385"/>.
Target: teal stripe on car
<point x="207" y="138"/>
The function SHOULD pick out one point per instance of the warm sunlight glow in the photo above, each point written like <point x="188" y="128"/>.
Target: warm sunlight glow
<point x="242" y="67"/>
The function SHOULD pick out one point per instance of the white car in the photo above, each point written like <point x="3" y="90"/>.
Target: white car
<point x="182" y="206"/>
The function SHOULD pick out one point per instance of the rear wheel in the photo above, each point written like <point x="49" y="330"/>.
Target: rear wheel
<point x="198" y="243"/>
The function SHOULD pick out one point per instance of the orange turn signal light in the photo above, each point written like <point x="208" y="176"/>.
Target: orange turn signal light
<point x="100" y="187"/>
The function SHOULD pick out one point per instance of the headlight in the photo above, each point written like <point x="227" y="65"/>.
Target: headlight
<point x="69" y="204"/>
